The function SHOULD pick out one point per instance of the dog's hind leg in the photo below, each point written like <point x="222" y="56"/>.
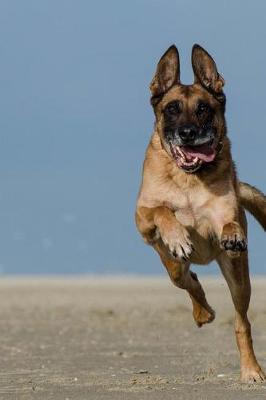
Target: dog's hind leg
<point x="236" y="274"/>
<point x="183" y="278"/>
<point x="202" y="312"/>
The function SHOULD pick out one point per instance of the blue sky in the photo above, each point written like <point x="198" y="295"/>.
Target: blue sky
<point x="75" y="122"/>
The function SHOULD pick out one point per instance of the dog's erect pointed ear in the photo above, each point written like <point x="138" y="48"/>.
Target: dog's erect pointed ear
<point x="205" y="70"/>
<point x="167" y="74"/>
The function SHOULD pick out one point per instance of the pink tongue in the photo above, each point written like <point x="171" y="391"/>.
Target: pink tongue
<point x="204" y="152"/>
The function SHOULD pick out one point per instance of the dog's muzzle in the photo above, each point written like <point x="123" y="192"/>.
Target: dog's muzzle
<point x="191" y="158"/>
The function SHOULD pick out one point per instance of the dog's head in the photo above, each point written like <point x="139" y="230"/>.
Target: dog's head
<point x="189" y="118"/>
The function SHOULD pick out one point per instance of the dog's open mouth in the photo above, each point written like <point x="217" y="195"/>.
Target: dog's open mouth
<point x="190" y="158"/>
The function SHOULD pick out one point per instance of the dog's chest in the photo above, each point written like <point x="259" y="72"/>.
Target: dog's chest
<point x="190" y="207"/>
<point x="194" y="211"/>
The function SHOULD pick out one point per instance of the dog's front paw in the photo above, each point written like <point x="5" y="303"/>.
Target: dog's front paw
<point x="233" y="239"/>
<point x="178" y="242"/>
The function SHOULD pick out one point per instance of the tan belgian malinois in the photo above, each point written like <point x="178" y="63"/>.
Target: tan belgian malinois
<point x="191" y="205"/>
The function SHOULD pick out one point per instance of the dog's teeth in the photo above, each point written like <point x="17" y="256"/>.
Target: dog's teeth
<point x="180" y="152"/>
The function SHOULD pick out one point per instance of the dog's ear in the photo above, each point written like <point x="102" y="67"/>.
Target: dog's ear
<point x="167" y="74"/>
<point x="205" y="70"/>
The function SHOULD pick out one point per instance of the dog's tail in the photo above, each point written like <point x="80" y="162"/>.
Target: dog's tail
<point x="254" y="201"/>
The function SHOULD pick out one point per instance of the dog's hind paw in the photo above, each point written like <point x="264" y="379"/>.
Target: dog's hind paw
<point x="253" y="375"/>
<point x="203" y="316"/>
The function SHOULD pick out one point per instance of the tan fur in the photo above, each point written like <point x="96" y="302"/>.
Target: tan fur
<point x="191" y="218"/>
<point x="254" y="201"/>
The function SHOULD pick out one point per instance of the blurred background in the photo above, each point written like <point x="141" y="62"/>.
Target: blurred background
<point x="76" y="120"/>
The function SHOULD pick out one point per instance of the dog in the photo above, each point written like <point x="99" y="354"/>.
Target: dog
<point x="190" y="207"/>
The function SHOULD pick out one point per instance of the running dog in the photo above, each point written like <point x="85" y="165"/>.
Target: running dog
<point x="191" y="204"/>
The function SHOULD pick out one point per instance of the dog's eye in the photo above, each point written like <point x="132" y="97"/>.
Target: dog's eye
<point x="172" y="108"/>
<point x="202" y="108"/>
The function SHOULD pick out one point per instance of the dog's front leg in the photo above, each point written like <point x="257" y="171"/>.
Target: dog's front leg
<point x="233" y="239"/>
<point x="229" y="225"/>
<point x="160" y="222"/>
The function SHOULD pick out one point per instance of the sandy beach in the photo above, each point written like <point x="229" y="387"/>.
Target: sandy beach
<point x="121" y="338"/>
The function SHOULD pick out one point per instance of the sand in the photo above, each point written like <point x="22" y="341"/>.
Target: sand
<point x="121" y="338"/>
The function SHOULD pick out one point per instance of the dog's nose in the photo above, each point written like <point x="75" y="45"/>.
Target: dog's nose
<point x="187" y="134"/>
